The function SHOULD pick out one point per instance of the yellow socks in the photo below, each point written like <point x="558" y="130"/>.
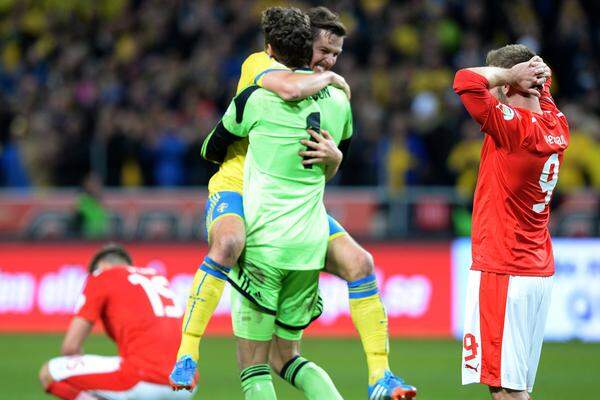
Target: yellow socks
<point x="370" y="320"/>
<point x="205" y="294"/>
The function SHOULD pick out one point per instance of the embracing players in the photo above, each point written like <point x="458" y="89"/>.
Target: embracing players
<point x="227" y="232"/>
<point x="276" y="291"/>
<point x="510" y="282"/>
<point x="139" y="313"/>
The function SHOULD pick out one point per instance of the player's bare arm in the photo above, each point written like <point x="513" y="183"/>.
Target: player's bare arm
<point x="72" y="345"/>
<point x="323" y="150"/>
<point x="294" y="86"/>
<point x="525" y="76"/>
<point x="78" y="331"/>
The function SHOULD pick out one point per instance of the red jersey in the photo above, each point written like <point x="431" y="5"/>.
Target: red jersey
<point x="520" y="159"/>
<point x="138" y="311"/>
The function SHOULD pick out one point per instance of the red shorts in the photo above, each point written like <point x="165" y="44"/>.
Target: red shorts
<point x="103" y="376"/>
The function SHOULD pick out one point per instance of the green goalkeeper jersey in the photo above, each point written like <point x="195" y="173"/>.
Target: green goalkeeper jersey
<point x="286" y="221"/>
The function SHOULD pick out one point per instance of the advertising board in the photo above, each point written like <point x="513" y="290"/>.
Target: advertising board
<point x="40" y="284"/>
<point x="575" y="305"/>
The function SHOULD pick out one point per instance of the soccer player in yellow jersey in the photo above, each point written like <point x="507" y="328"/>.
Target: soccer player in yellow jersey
<point x="226" y="230"/>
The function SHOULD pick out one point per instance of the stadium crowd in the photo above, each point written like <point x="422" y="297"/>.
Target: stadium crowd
<point x="129" y="89"/>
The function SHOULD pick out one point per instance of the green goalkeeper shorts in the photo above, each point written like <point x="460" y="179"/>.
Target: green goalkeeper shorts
<point x="272" y="301"/>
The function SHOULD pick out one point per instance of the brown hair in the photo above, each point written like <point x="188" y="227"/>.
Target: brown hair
<point x="509" y="55"/>
<point x="287" y="30"/>
<point x="111" y="252"/>
<point x="322" y="18"/>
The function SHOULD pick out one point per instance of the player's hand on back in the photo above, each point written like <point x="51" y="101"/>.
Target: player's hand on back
<point x="529" y="75"/>
<point x="339" y="82"/>
<point x="322" y="150"/>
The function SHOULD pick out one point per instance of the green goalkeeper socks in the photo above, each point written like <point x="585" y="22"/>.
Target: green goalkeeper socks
<point x="257" y="383"/>
<point x="310" y="379"/>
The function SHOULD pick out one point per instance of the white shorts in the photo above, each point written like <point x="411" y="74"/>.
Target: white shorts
<point x="102" y="376"/>
<point x="505" y="318"/>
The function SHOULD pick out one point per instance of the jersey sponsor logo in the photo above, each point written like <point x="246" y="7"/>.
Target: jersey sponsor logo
<point x="475" y="368"/>
<point x="507" y="112"/>
<point x="559" y="140"/>
<point x="222" y="207"/>
<point x="74" y="363"/>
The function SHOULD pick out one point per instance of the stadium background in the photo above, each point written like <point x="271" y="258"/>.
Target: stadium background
<point x="104" y="105"/>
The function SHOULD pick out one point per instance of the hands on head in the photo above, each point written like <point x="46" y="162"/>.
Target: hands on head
<point x="530" y="76"/>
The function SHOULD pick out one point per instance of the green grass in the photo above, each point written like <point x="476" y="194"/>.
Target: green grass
<point x="567" y="370"/>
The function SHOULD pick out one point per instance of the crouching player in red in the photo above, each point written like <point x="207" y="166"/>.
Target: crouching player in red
<point x="510" y="282"/>
<point x="138" y="311"/>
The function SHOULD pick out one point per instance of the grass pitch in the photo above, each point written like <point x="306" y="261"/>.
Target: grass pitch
<point x="567" y="370"/>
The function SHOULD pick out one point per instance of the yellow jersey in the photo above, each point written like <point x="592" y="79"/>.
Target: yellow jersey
<point x="230" y="176"/>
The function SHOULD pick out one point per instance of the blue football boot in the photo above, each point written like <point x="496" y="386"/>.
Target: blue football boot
<point x="390" y="387"/>
<point x="184" y="374"/>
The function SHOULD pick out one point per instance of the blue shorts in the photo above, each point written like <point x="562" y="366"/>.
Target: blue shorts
<point x="221" y="204"/>
<point x="335" y="229"/>
<point x="231" y="203"/>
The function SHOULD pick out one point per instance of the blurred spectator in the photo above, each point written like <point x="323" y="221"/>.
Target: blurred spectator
<point x="12" y="170"/>
<point x="403" y="154"/>
<point x="91" y="218"/>
<point x="169" y="156"/>
<point x="582" y="167"/>
<point x="464" y="158"/>
<point x="129" y="89"/>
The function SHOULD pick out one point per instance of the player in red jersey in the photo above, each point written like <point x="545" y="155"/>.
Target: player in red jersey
<point x="510" y="281"/>
<point x="138" y="311"/>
